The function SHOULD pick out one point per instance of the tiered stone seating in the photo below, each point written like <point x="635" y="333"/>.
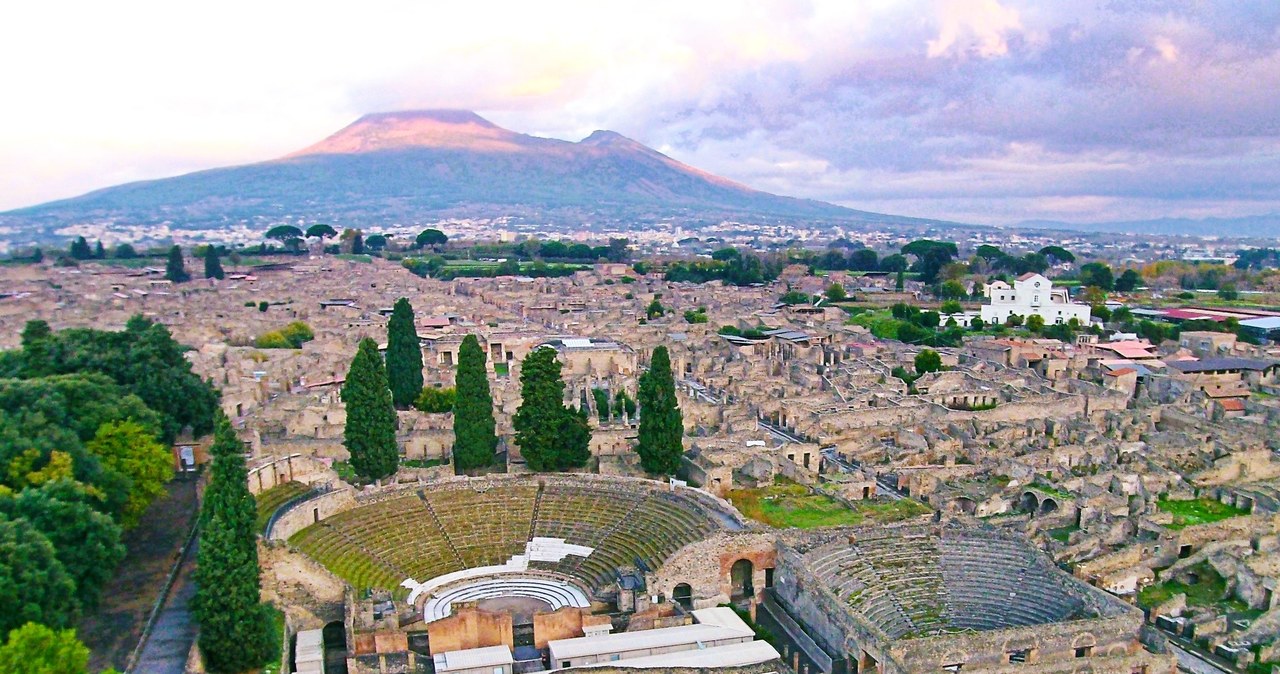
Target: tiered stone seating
<point x="426" y="534"/>
<point x="914" y="583"/>
<point x="995" y="583"/>
<point x="485" y="527"/>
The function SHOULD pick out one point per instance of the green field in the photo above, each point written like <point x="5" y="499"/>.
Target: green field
<point x="1197" y="511"/>
<point x="1210" y="589"/>
<point x="790" y="505"/>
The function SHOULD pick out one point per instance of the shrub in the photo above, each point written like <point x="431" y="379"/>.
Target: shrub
<point x="436" y="400"/>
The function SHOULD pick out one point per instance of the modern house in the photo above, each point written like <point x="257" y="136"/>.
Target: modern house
<point x="1031" y="294"/>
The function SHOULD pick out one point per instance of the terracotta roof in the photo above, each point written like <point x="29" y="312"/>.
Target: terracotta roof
<point x="1121" y="371"/>
<point x="1027" y="276"/>
<point x="1232" y="404"/>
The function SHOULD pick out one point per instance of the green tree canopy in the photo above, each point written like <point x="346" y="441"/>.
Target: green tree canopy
<point x="404" y="355"/>
<point x="1097" y="274"/>
<point x="431" y="238"/>
<point x="235" y="626"/>
<point x="144" y="359"/>
<point x="85" y="541"/>
<point x="1129" y="281"/>
<point x="34" y="586"/>
<point x="928" y="360"/>
<point x="37" y="649"/>
<point x="212" y="263"/>
<point x="80" y="249"/>
<point x="475" y="439"/>
<point x="124" y="251"/>
<point x="130" y="449"/>
<point x="376" y="242"/>
<point x="835" y="292"/>
<point x="551" y="435"/>
<point x="436" y="400"/>
<point x="931" y="256"/>
<point x="1035" y="323"/>
<point x="174" y="269"/>
<point x="370" y="432"/>
<point x="661" y="422"/>
<point x="1058" y="253"/>
<point x="321" y="231"/>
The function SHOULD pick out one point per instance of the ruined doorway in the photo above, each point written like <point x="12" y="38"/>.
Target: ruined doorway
<point x="740" y="579"/>
<point x="682" y="594"/>
<point x="1028" y="503"/>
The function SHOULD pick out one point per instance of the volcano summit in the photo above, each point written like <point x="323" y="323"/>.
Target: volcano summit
<point x="426" y="165"/>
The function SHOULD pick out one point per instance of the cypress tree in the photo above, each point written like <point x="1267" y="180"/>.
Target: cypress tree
<point x="661" y="423"/>
<point x="212" y="264"/>
<point x="99" y="253"/>
<point x="473" y="426"/>
<point x="370" y="432"/>
<point x="235" y="627"/>
<point x="80" y="249"/>
<point x="404" y="356"/>
<point x="174" y="269"/>
<point x="551" y="435"/>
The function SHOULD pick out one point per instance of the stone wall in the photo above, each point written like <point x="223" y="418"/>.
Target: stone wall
<point x="306" y="513"/>
<point x="1115" y="636"/>
<point x="469" y="627"/>
<point x="705" y="566"/>
<point x="290" y="468"/>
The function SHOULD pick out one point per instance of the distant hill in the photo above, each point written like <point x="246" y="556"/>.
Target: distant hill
<point x="403" y="167"/>
<point x="1259" y="226"/>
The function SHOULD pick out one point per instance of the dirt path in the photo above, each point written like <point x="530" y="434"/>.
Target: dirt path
<point x="111" y="632"/>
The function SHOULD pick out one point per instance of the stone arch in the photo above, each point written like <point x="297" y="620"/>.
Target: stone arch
<point x="682" y="594"/>
<point x="1029" y="502"/>
<point x="740" y="579"/>
<point x="1048" y="505"/>
<point x="965" y="505"/>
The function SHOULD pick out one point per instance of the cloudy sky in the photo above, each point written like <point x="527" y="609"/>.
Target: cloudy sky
<point x="990" y="111"/>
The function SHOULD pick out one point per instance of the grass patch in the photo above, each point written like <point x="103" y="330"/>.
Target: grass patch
<point x="1197" y="511"/>
<point x="422" y="463"/>
<point x="1063" y="534"/>
<point x="346" y="472"/>
<point x="1210" y="590"/>
<point x="790" y="505"/>
<point x="271" y="499"/>
<point x="1051" y="491"/>
<point x="352" y="257"/>
<point x="501" y="369"/>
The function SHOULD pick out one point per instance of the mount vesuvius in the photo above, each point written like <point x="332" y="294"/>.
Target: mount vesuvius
<point x="415" y="166"/>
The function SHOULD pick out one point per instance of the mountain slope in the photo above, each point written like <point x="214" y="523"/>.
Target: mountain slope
<point x="426" y="165"/>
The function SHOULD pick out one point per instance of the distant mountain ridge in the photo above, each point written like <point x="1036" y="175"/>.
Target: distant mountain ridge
<point x="1251" y="226"/>
<point x="426" y="165"/>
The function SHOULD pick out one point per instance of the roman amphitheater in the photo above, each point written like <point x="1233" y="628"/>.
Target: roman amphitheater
<point x="522" y="573"/>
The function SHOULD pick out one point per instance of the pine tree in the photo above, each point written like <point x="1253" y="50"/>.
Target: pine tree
<point x="174" y="269"/>
<point x="370" y="433"/>
<point x="235" y="627"/>
<point x="551" y="435"/>
<point x="661" y="423"/>
<point x="99" y="253"/>
<point x="404" y="356"/>
<point x="473" y="425"/>
<point x="212" y="264"/>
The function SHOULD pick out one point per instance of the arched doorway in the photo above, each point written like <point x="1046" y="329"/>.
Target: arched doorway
<point x="1029" y="503"/>
<point x="740" y="579"/>
<point x="1047" y="506"/>
<point x="682" y="594"/>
